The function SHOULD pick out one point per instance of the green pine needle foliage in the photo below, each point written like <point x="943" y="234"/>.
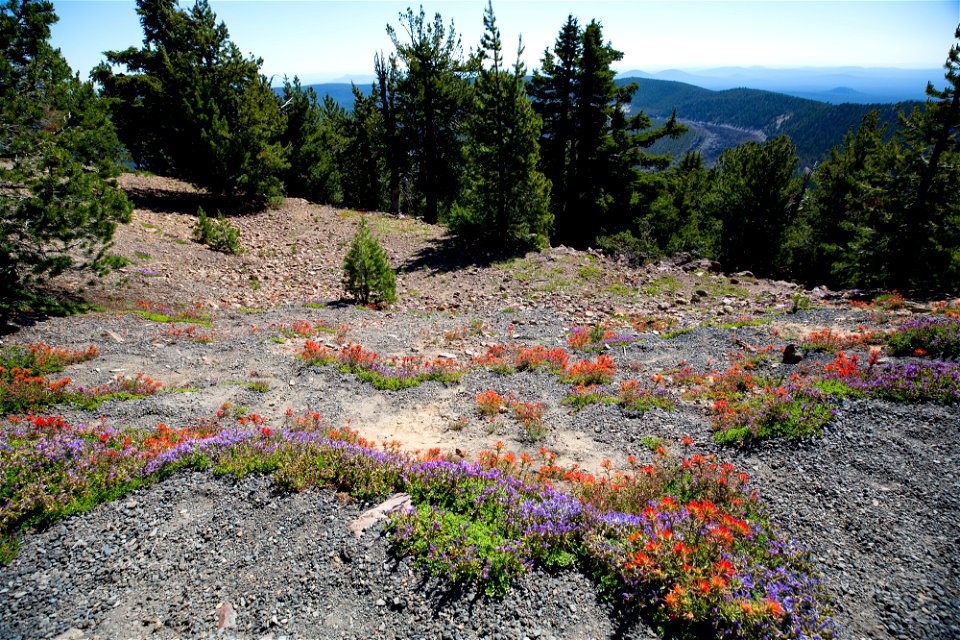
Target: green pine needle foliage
<point x="59" y="156"/>
<point x="220" y="235"/>
<point x="367" y="275"/>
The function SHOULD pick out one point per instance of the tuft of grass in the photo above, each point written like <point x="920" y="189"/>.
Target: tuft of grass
<point x="620" y="291"/>
<point x="663" y="284"/>
<point x="673" y="333"/>
<point x="745" y="322"/>
<point x="9" y="549"/>
<point x="652" y="442"/>
<point x="177" y="313"/>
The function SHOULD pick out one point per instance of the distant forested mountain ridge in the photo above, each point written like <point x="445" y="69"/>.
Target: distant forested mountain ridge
<point x="814" y="127"/>
<point x="721" y="120"/>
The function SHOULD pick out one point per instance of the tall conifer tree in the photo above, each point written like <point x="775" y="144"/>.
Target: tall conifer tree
<point x="754" y="195"/>
<point x="592" y="149"/>
<point x="554" y="90"/>
<point x="927" y="243"/>
<point x="59" y="154"/>
<point x="191" y="106"/>
<point x="432" y="93"/>
<point x="507" y="199"/>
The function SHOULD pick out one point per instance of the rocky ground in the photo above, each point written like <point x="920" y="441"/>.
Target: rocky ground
<point x="877" y="497"/>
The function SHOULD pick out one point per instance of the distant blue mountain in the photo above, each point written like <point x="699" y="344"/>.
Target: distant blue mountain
<point x="342" y="92"/>
<point x="834" y="84"/>
<point x="737" y="115"/>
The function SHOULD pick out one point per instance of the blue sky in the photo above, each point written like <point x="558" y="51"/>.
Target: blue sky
<point x="324" y="40"/>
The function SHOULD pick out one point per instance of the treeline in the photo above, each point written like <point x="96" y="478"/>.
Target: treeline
<point x="465" y="139"/>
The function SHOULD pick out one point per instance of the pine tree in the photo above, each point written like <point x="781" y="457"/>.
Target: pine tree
<point x="192" y="107"/>
<point x="926" y="245"/>
<point x="312" y="133"/>
<point x="385" y="96"/>
<point x="592" y="151"/>
<point x="676" y="218"/>
<point x="367" y="275"/>
<point x="363" y="162"/>
<point x="886" y="213"/>
<point x="554" y="92"/>
<point x="754" y="195"/>
<point x="59" y="155"/>
<point x="431" y="96"/>
<point x="507" y="199"/>
<point x="843" y="235"/>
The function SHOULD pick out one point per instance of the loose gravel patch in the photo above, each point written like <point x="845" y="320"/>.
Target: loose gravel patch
<point x="875" y="497"/>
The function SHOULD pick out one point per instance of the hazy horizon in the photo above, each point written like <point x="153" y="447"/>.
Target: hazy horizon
<point x="324" y="40"/>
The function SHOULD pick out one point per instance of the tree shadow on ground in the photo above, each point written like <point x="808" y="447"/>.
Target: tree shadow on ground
<point x="451" y="253"/>
<point x="22" y="309"/>
<point x="161" y="200"/>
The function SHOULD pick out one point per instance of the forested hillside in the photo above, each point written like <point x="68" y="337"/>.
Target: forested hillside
<point x="813" y="127"/>
<point x="741" y="115"/>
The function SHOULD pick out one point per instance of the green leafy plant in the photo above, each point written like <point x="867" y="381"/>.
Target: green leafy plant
<point x="799" y="302"/>
<point x="367" y="275"/>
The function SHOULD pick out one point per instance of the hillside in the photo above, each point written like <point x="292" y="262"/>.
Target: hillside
<point x="201" y="505"/>
<point x="723" y="119"/>
<point x="814" y="127"/>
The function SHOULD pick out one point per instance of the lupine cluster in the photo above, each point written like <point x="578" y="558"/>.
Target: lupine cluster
<point x="899" y="382"/>
<point x="679" y="556"/>
<point x="53" y="469"/>
<point x="936" y="337"/>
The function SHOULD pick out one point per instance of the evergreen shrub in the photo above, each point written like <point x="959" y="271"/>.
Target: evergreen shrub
<point x="367" y="275"/>
<point x="220" y="235"/>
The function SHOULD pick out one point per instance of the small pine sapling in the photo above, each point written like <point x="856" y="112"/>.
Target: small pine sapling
<point x="367" y="275"/>
<point x="220" y="235"/>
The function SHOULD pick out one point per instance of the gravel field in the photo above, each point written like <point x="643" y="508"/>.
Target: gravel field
<point x="876" y="497"/>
